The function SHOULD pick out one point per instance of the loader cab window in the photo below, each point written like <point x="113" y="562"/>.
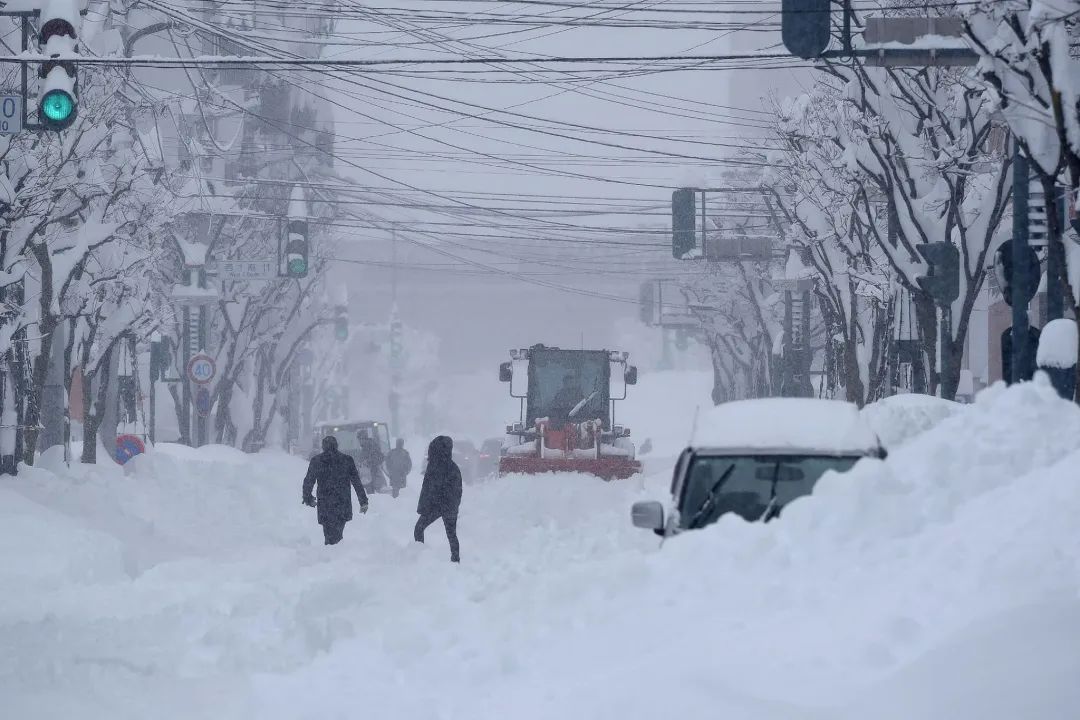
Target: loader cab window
<point x="560" y="380"/>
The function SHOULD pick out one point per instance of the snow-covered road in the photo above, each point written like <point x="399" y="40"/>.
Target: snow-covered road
<point x="940" y="583"/>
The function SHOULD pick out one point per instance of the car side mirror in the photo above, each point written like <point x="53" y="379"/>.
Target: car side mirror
<point x="648" y="514"/>
<point x="631" y="375"/>
<point x="506" y="374"/>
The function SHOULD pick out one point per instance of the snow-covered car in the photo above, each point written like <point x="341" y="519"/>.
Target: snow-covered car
<point x="753" y="457"/>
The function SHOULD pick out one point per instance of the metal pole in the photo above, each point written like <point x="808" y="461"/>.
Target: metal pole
<point x="200" y="421"/>
<point x="393" y="264"/>
<point x="846" y="39"/>
<point x="944" y="346"/>
<point x="185" y="411"/>
<point x="702" y="224"/>
<point x="1021" y="282"/>
<point x="1055" y="252"/>
<point x="152" y="430"/>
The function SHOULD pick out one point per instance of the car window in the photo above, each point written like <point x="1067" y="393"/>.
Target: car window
<point x="755" y="487"/>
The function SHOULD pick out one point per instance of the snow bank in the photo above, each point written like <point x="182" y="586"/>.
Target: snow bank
<point x="926" y="585"/>
<point x="899" y="418"/>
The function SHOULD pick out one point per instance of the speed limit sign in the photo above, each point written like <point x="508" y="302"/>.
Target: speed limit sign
<point x="201" y="369"/>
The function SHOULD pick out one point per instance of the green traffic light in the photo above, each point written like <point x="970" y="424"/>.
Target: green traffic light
<point x="297" y="266"/>
<point x="57" y="106"/>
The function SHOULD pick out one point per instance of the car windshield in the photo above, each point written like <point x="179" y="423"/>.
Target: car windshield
<point x="755" y="487"/>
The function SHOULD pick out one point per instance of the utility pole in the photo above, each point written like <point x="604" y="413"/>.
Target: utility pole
<point x="1021" y="280"/>
<point x="396" y="358"/>
<point x="1055" y="251"/>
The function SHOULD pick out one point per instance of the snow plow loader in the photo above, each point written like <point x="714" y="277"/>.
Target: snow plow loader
<point x="567" y="421"/>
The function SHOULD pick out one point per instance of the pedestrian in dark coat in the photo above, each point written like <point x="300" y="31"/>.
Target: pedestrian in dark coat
<point x="371" y="457"/>
<point x="333" y="472"/>
<point x="440" y="495"/>
<point x="398" y="467"/>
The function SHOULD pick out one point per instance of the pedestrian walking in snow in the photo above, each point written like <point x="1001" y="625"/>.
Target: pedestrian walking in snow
<point x="440" y="495"/>
<point x="398" y="467"/>
<point x="371" y="457"/>
<point x="330" y="473"/>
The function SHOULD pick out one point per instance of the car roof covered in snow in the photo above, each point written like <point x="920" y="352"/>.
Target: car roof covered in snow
<point x="789" y="425"/>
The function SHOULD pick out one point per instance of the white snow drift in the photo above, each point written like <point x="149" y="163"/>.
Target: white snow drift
<point x="941" y="582"/>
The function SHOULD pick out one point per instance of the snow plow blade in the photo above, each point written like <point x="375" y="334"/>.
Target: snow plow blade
<point x="606" y="468"/>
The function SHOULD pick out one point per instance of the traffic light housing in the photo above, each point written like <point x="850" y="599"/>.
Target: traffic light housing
<point x="341" y="328"/>
<point x="683" y="221"/>
<point x="296" y="249"/>
<point x="942" y="282"/>
<point x="1005" y="271"/>
<point x="160" y="358"/>
<point x="58" y="102"/>
<point x="805" y="27"/>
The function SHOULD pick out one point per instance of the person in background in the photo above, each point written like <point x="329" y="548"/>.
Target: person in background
<point x="440" y="495"/>
<point x="371" y="457"/>
<point x="330" y="473"/>
<point x="398" y="467"/>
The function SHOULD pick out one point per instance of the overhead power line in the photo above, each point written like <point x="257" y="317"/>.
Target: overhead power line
<point x="264" y="62"/>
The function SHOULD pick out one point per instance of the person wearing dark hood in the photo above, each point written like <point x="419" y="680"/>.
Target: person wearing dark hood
<point x="398" y="467"/>
<point x="333" y="472"/>
<point x="440" y="495"/>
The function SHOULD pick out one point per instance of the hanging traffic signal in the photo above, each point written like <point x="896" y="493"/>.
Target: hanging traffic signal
<point x="296" y="249"/>
<point x="1008" y="273"/>
<point x="943" y="280"/>
<point x="683" y="221"/>
<point x="341" y="328"/>
<point x="805" y="27"/>
<point x="58" y="102"/>
<point x="159" y="358"/>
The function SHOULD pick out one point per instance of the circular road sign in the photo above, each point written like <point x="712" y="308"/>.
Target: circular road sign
<point x="202" y="402"/>
<point x="127" y="447"/>
<point x="201" y="369"/>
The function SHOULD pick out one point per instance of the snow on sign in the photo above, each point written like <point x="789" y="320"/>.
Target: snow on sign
<point x="201" y="369"/>
<point x="10" y="114"/>
<point x="247" y="269"/>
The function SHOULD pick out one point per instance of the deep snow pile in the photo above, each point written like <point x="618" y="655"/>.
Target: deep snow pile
<point x="899" y="418"/>
<point x="940" y="583"/>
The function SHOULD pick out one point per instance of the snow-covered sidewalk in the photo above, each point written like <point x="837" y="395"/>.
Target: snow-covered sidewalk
<point x="942" y="582"/>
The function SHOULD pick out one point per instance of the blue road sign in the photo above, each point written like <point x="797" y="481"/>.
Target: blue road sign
<point x="127" y="447"/>
<point x="202" y="402"/>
